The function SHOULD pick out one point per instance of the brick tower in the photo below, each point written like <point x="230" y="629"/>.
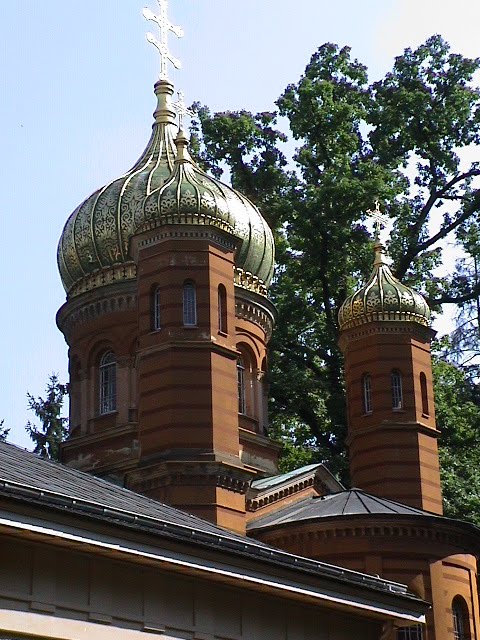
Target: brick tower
<point x="390" y="524"/>
<point x="385" y="338"/>
<point x="167" y="319"/>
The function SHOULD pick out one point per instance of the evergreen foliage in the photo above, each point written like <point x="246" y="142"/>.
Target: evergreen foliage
<point x="53" y="430"/>
<point x="3" y="431"/>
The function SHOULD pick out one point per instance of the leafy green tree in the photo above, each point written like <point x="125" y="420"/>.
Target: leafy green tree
<point x="53" y="430"/>
<point x="464" y="344"/>
<point x="457" y="407"/>
<point x="396" y="140"/>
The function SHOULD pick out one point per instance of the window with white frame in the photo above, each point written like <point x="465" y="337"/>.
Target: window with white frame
<point x="189" y="304"/>
<point x="108" y="382"/>
<point x="397" y="391"/>
<point x="410" y="633"/>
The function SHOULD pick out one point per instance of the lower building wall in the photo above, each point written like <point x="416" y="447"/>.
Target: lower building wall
<point x="423" y="558"/>
<point x="453" y="578"/>
<point x="47" y="592"/>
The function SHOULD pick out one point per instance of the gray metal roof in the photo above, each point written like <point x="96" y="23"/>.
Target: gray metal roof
<point x="28" y="478"/>
<point x="268" y="483"/>
<point x="345" y="503"/>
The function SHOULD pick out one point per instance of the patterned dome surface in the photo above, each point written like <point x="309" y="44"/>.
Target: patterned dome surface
<point x="383" y="298"/>
<point x="163" y="187"/>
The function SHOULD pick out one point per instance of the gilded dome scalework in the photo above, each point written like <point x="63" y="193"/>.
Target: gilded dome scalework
<point x="383" y="298"/>
<point x="163" y="187"/>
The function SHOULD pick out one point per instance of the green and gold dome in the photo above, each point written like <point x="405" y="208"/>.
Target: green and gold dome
<point x="164" y="187"/>
<point x="383" y="298"/>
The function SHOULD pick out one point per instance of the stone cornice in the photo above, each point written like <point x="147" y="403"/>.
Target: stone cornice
<point x="392" y="327"/>
<point x="194" y="232"/>
<point x="93" y="438"/>
<point x="463" y="537"/>
<point x="255" y="308"/>
<point x="258" y="438"/>
<point x="355" y="432"/>
<point x="114" y="298"/>
<point x="104" y="277"/>
<point x="189" y="473"/>
<point x="280" y="493"/>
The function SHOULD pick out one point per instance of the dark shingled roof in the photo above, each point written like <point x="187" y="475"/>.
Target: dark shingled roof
<point x="27" y="478"/>
<point x="27" y="470"/>
<point x="346" y="503"/>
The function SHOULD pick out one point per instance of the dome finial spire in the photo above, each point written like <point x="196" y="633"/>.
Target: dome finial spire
<point x="165" y="27"/>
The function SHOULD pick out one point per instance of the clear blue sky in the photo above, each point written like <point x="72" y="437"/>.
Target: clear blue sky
<point x="75" y="111"/>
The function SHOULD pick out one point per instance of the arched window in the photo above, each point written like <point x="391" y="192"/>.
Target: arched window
<point x="108" y="382"/>
<point x="461" y="626"/>
<point x="423" y="389"/>
<point x="222" y="309"/>
<point x="367" y="393"/>
<point x="249" y="400"/>
<point x="189" y="304"/>
<point x="242" y="395"/>
<point x="397" y="392"/>
<point x="155" y="306"/>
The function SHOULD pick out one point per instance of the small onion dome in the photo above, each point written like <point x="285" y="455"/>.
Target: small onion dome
<point x="383" y="299"/>
<point x="163" y="187"/>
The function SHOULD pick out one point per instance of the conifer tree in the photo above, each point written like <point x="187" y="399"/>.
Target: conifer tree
<point x="53" y="427"/>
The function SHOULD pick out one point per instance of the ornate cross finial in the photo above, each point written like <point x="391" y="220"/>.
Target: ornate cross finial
<point x="181" y="109"/>
<point x="165" y="27"/>
<point x="380" y="220"/>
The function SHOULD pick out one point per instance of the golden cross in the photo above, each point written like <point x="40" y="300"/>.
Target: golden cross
<point x="380" y="220"/>
<point x="165" y="27"/>
<point x="182" y="109"/>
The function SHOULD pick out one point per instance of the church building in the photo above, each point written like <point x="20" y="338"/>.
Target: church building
<point x="168" y="516"/>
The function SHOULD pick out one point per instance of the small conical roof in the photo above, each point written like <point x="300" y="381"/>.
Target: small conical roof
<point x="383" y="298"/>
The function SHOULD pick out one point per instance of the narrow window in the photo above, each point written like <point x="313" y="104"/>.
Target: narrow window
<point x="461" y="627"/>
<point x="242" y="404"/>
<point x="423" y="388"/>
<point x="156" y="322"/>
<point x="222" y="309"/>
<point x="189" y="304"/>
<point x="367" y="393"/>
<point x="108" y="382"/>
<point x="397" y="393"/>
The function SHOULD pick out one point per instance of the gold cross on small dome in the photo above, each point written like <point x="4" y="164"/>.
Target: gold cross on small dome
<point x="182" y="109"/>
<point x="380" y="219"/>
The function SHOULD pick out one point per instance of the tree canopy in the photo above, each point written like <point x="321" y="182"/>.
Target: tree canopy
<point x="398" y="140"/>
<point x="457" y="408"/>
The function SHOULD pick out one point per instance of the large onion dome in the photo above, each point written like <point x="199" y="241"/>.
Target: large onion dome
<point x="164" y="187"/>
<point x="383" y="298"/>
